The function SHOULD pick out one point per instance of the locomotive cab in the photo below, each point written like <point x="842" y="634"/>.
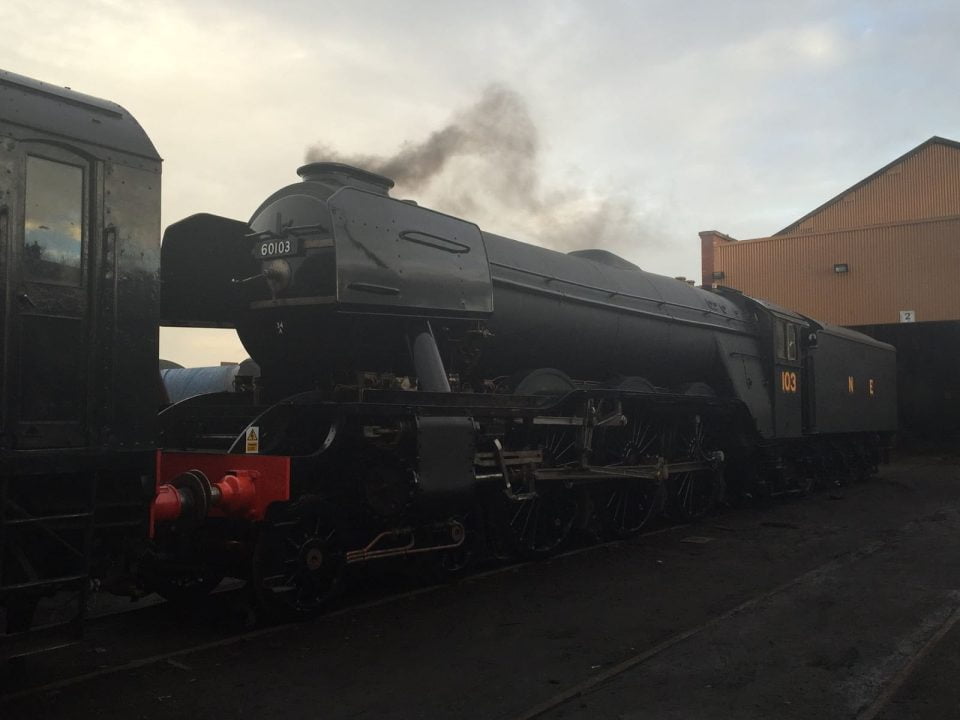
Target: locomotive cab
<point x="788" y="384"/>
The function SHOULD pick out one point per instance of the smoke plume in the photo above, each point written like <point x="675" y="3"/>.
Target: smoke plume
<point x="483" y="166"/>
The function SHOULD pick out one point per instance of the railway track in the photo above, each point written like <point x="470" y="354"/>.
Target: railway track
<point x="871" y="689"/>
<point x="600" y="678"/>
<point x="888" y="687"/>
<point x="111" y="622"/>
<point x="563" y="702"/>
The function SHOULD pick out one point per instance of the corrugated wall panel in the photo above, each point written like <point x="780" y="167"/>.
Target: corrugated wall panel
<point x="924" y="185"/>
<point x="909" y="266"/>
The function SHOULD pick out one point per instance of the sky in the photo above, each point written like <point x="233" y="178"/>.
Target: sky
<point x="630" y="126"/>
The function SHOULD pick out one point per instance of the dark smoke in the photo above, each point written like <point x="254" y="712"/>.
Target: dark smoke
<point x="483" y="166"/>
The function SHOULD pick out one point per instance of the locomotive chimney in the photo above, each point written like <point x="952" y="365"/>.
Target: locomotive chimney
<point x="339" y="175"/>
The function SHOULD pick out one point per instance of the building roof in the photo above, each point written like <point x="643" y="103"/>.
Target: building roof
<point x="935" y="140"/>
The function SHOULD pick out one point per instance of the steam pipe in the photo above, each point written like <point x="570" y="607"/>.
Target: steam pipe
<point x="427" y="363"/>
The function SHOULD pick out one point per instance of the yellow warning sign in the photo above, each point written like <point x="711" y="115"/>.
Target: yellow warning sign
<point x="253" y="439"/>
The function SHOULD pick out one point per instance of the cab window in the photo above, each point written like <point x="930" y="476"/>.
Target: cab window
<point x="785" y="340"/>
<point x="53" y="222"/>
<point x="791" y="341"/>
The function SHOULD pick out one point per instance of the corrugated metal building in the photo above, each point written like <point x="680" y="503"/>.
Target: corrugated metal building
<point x="884" y="257"/>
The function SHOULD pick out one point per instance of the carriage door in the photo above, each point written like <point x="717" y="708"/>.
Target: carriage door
<point x="787" y="391"/>
<point x="49" y="301"/>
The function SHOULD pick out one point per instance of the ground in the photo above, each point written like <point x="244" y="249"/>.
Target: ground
<point x="840" y="605"/>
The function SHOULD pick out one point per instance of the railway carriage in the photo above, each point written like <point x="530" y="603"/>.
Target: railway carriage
<point x="79" y="305"/>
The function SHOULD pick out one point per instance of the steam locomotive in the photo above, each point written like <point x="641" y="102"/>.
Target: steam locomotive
<point x="425" y="388"/>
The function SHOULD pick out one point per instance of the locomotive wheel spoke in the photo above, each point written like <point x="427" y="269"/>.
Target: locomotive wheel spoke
<point x="537" y="527"/>
<point x="693" y="494"/>
<point x="627" y="507"/>
<point x="297" y="568"/>
<point x="454" y="562"/>
<point x="561" y="448"/>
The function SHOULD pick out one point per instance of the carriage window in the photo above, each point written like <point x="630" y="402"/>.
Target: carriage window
<point x="53" y="222"/>
<point x="791" y="342"/>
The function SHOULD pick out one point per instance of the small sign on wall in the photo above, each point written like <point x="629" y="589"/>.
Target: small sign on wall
<point x="253" y="439"/>
<point x="908" y="316"/>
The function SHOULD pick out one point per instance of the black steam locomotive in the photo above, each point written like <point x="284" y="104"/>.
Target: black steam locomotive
<point x="427" y="387"/>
